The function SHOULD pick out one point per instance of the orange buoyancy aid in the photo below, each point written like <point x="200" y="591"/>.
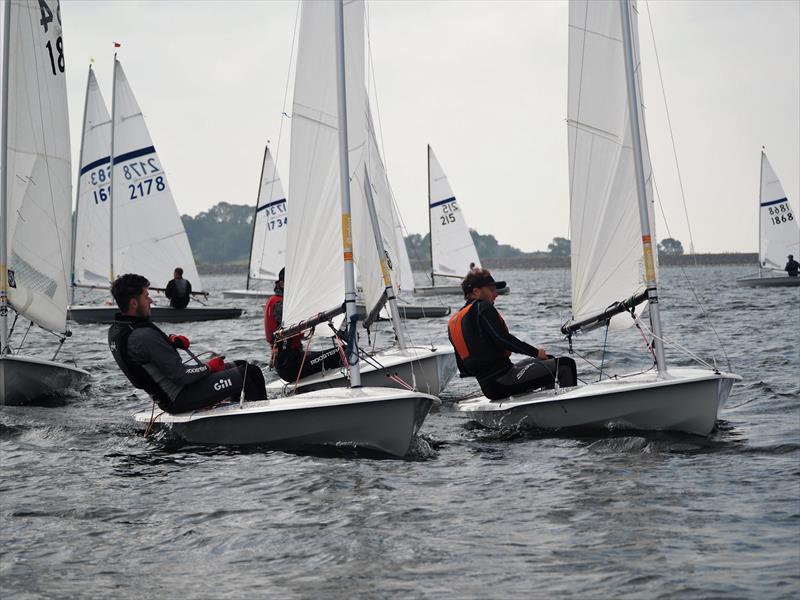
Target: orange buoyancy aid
<point x="477" y="353"/>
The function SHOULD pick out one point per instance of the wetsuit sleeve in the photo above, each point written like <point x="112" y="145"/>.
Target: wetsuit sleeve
<point x="278" y="313"/>
<point x="188" y="288"/>
<point x="491" y="323"/>
<point x="170" y="289"/>
<point x="147" y="346"/>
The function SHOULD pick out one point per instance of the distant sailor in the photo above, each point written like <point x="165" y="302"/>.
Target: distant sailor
<point x="792" y="267"/>
<point x="150" y="360"/>
<point x="483" y="345"/>
<point x="179" y="290"/>
<point x="288" y="355"/>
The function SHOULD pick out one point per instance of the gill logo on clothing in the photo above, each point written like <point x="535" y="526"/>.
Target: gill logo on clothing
<point x="222" y="384"/>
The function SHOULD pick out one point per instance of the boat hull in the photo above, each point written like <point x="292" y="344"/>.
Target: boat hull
<point x="251" y="294"/>
<point x="427" y="370"/>
<point x="412" y="311"/>
<point x="768" y="281"/>
<point x="24" y="379"/>
<point x="448" y="290"/>
<point x="158" y="314"/>
<point x="379" y="419"/>
<point x="688" y="400"/>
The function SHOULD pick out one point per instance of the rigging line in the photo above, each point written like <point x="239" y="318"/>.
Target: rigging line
<point x="683" y="194"/>
<point x="677" y="346"/>
<point x="47" y="157"/>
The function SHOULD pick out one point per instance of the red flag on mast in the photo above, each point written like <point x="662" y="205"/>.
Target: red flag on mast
<point x="117" y="45"/>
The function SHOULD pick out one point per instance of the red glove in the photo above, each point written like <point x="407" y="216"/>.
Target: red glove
<point x="216" y="364"/>
<point x="179" y="341"/>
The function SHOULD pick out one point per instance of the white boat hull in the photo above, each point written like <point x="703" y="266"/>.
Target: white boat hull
<point x="688" y="400"/>
<point x="448" y="290"/>
<point x="427" y="370"/>
<point x="379" y="419"/>
<point x="24" y="379"/>
<point x="768" y="281"/>
<point x="251" y="294"/>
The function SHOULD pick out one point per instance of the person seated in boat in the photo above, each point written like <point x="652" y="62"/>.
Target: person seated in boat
<point x="149" y="358"/>
<point x="179" y="290"/>
<point x="792" y="267"/>
<point x="483" y="345"/>
<point x="288" y="356"/>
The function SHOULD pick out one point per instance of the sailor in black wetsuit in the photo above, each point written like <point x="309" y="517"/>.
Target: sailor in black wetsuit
<point x="792" y="266"/>
<point x="179" y="290"/>
<point x="483" y="345"/>
<point x="150" y="360"/>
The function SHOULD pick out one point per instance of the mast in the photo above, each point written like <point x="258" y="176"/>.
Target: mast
<point x="111" y="157"/>
<point x="4" y="195"/>
<point x="78" y="191"/>
<point x="641" y="189"/>
<point x="255" y="215"/>
<point x="760" y="194"/>
<point x="344" y="183"/>
<point x="387" y="277"/>
<point x="430" y="223"/>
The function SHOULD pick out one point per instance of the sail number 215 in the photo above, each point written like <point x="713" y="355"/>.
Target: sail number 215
<point x="448" y="213"/>
<point x="56" y="53"/>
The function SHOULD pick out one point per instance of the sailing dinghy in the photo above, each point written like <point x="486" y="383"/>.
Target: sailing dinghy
<point x="613" y="267"/>
<point x="268" y="242"/>
<point x="35" y="200"/>
<point x="779" y="234"/>
<point x="452" y="248"/>
<point x="377" y="418"/>
<point x="126" y="218"/>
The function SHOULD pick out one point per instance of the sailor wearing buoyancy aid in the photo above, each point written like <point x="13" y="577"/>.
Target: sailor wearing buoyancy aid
<point x="483" y="345"/>
<point x="150" y="360"/>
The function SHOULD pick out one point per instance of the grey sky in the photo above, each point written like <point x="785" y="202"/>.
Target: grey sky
<point x="483" y="82"/>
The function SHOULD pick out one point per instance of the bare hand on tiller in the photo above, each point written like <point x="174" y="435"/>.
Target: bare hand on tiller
<point x="542" y="355"/>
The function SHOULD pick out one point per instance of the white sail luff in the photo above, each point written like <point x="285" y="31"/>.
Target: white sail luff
<point x="93" y="199"/>
<point x="36" y="166"/>
<point x="4" y="186"/>
<point x="148" y="234"/>
<point x="452" y="248"/>
<point x="270" y="224"/>
<point x="779" y="235"/>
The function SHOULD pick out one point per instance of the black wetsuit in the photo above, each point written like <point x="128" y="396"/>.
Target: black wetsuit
<point x="144" y="353"/>
<point x="483" y="345"/>
<point x="178" y="292"/>
<point x="792" y="267"/>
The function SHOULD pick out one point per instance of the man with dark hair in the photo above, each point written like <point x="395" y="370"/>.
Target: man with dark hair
<point x="792" y="267"/>
<point x="288" y="356"/>
<point x="150" y="360"/>
<point x="483" y="345"/>
<point x="179" y="290"/>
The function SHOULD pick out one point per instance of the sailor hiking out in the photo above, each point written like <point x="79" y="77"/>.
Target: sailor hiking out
<point x="483" y="345"/>
<point x="150" y="360"/>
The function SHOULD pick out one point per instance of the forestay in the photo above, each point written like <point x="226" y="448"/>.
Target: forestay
<point x="452" y="248"/>
<point x="268" y="254"/>
<point x="92" y="231"/>
<point x="605" y="229"/>
<point x="780" y="235"/>
<point x="148" y="234"/>
<point x="314" y="265"/>
<point x="37" y="170"/>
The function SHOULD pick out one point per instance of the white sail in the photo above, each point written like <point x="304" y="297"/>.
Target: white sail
<point x="779" y="235"/>
<point x="148" y="235"/>
<point x="268" y="253"/>
<point x="405" y="276"/>
<point x="452" y="248"/>
<point x="37" y="169"/>
<point x="92" y="240"/>
<point x="605" y="228"/>
<point x="314" y="265"/>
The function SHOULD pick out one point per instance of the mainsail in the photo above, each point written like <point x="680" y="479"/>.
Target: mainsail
<point x="605" y="228"/>
<point x="779" y="234"/>
<point x="405" y="276"/>
<point x="148" y="235"/>
<point x="268" y="252"/>
<point x="314" y="266"/>
<point x="452" y="248"/>
<point x="37" y="187"/>
<point x="92" y="229"/>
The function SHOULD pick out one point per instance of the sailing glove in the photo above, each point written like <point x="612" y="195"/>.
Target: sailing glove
<point x="179" y="341"/>
<point x="216" y="364"/>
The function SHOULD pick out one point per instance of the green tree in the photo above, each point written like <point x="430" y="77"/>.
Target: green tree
<point x="670" y="246"/>
<point x="221" y="234"/>
<point x="559" y="247"/>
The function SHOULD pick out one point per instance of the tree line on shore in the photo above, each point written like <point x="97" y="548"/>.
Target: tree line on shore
<point x="222" y="234"/>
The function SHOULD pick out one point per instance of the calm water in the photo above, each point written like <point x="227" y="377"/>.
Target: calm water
<point x="89" y="508"/>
